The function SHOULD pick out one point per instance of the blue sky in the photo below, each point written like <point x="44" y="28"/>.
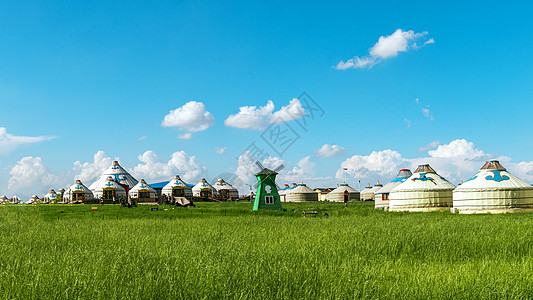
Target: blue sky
<point x="97" y="76"/>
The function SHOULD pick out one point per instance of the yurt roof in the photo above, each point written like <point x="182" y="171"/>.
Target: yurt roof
<point x="366" y="189"/>
<point x="301" y="189"/>
<point x="373" y="189"/>
<point x="142" y="186"/>
<point x="109" y="183"/>
<point x="495" y="177"/>
<point x="34" y="197"/>
<point x="221" y="184"/>
<point x="343" y="187"/>
<point x="176" y="182"/>
<point x="78" y="186"/>
<point x="51" y="194"/>
<point x="203" y="185"/>
<point x="4" y="197"/>
<point x="402" y="176"/>
<point x="118" y="173"/>
<point x="424" y="178"/>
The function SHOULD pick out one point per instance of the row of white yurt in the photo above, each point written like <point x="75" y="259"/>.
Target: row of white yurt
<point x="301" y="193"/>
<point x="425" y="190"/>
<point x="381" y="196"/>
<point x="343" y="193"/>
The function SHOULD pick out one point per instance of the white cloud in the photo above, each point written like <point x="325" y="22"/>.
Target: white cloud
<point x="386" y="47"/>
<point x="252" y="117"/>
<point x="185" y="136"/>
<point x="459" y="148"/>
<point x="88" y="172"/>
<point x="330" y="150"/>
<point x="220" y="150"/>
<point x="152" y="168"/>
<point x="9" y="142"/>
<point x="429" y="146"/>
<point x="31" y="176"/>
<point x="430" y="41"/>
<point x="303" y="171"/>
<point x="191" y="117"/>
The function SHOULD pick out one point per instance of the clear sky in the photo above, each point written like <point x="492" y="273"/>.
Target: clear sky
<point x="80" y="77"/>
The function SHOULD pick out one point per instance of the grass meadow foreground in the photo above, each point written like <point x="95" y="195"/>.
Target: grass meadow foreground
<point x="224" y="250"/>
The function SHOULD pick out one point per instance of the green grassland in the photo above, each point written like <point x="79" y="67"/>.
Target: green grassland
<point x="226" y="251"/>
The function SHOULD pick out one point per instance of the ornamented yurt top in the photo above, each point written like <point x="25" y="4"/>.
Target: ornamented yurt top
<point x="78" y="187"/>
<point x="109" y="184"/>
<point x="221" y="184"/>
<point x="176" y="182"/>
<point x="402" y="176"/>
<point x="203" y="185"/>
<point x="424" y="178"/>
<point x="343" y="187"/>
<point x="142" y="186"/>
<point x="118" y="174"/>
<point x="51" y="195"/>
<point x="493" y="176"/>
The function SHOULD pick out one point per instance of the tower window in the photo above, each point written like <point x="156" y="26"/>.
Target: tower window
<point x="269" y="199"/>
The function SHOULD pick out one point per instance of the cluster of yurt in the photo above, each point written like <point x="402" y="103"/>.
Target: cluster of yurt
<point x="343" y="193"/>
<point x="301" y="193"/>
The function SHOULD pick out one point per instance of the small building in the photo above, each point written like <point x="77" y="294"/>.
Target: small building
<point x="323" y="192"/>
<point x="301" y="193"/>
<point x="110" y="191"/>
<point x="204" y="190"/>
<point x="425" y="190"/>
<point x="369" y="193"/>
<point x="78" y="193"/>
<point x="176" y="188"/>
<point x="343" y="193"/>
<point x="493" y="190"/>
<point x="381" y="197"/>
<point x="143" y="193"/>
<point x="226" y="191"/>
<point x="119" y="175"/>
<point x="267" y="196"/>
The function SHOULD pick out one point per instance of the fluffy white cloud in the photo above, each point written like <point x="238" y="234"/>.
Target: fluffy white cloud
<point x="386" y="47"/>
<point x="88" y="172"/>
<point x="328" y="150"/>
<point x="459" y="148"/>
<point x="30" y="176"/>
<point x="153" y="169"/>
<point x="9" y="142"/>
<point x="429" y="146"/>
<point x="252" y="117"/>
<point x="220" y="150"/>
<point x="185" y="136"/>
<point x="191" y="117"/>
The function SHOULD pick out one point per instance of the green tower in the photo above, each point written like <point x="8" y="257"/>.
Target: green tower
<point x="267" y="196"/>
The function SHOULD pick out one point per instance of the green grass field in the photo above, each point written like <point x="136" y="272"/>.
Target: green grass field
<point x="224" y="250"/>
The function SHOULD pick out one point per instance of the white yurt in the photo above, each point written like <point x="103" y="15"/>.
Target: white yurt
<point x="51" y="196"/>
<point x="204" y="189"/>
<point x="109" y="190"/>
<point x="425" y="190"/>
<point x="364" y="191"/>
<point x="118" y="174"/>
<point x="493" y="190"/>
<point x="33" y="199"/>
<point x="3" y="199"/>
<point x="177" y="188"/>
<point x="143" y="193"/>
<point x="381" y="197"/>
<point x="226" y="190"/>
<point x="14" y="200"/>
<point x="78" y="193"/>
<point x="369" y="193"/>
<point x="284" y="190"/>
<point x="342" y="193"/>
<point x="301" y="193"/>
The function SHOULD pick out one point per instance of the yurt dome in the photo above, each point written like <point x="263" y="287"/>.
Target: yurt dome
<point x="225" y="190"/>
<point x="204" y="189"/>
<point x="143" y="192"/>
<point x="77" y="193"/>
<point x="364" y="191"/>
<point x="381" y="197"/>
<point x="3" y="199"/>
<point x="342" y="191"/>
<point x="492" y="190"/>
<point x="301" y="193"/>
<point x="50" y="196"/>
<point x="425" y="190"/>
<point x="177" y="188"/>
<point x="369" y="193"/>
<point x="118" y="174"/>
<point x="109" y="190"/>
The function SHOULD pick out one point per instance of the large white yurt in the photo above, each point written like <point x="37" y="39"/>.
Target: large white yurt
<point x="33" y="199"/>
<point x="110" y="191"/>
<point x="301" y="193"/>
<point x="118" y="173"/>
<point x="369" y="193"/>
<point x="493" y="190"/>
<point x="204" y="189"/>
<point x="381" y="197"/>
<point x="142" y="192"/>
<point x="78" y="193"/>
<point x="51" y="196"/>
<point x="425" y="190"/>
<point x="177" y="188"/>
<point x="343" y="193"/>
<point x="225" y="190"/>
